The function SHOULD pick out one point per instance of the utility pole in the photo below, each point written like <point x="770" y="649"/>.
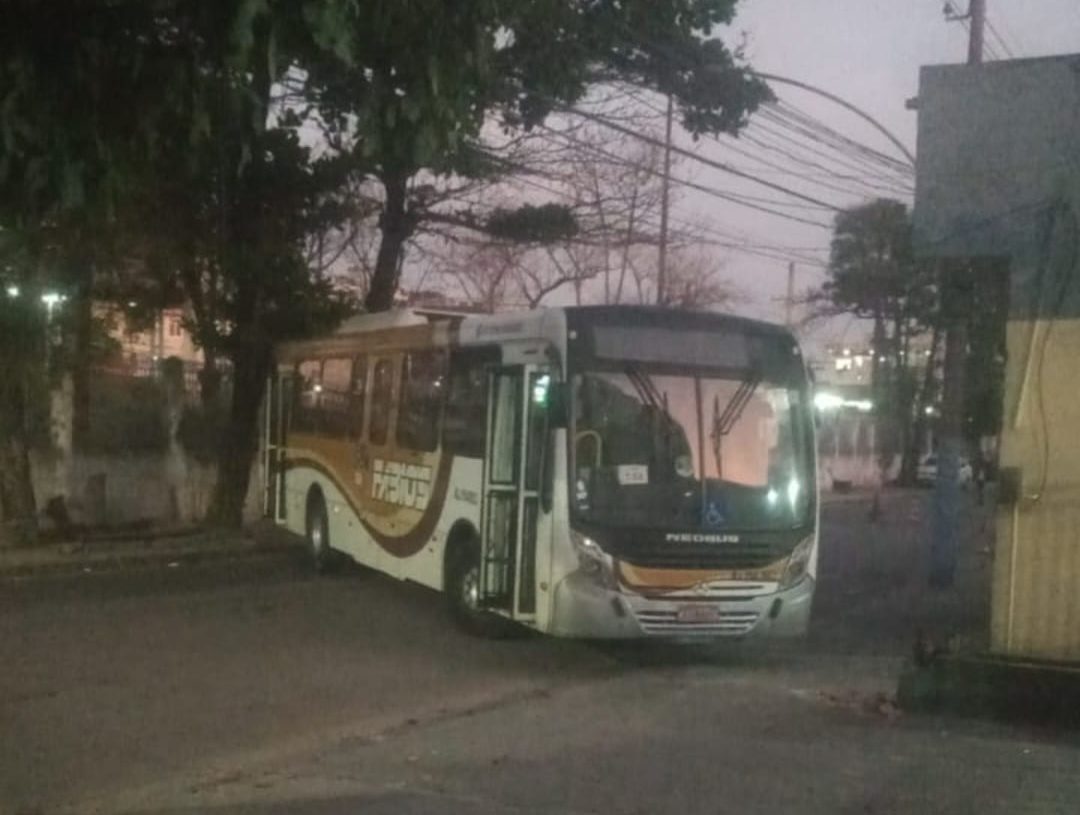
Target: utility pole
<point x="789" y="301"/>
<point x="954" y="282"/>
<point x="977" y="10"/>
<point x="661" y="269"/>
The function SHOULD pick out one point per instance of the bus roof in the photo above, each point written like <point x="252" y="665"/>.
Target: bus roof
<point x="420" y="327"/>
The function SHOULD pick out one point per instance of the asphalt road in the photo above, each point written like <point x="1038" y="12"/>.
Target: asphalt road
<point x="251" y="687"/>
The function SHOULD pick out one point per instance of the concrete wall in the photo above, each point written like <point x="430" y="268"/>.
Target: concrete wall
<point x="164" y="490"/>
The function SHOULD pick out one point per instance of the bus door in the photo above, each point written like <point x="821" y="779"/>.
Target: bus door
<point x="514" y="467"/>
<point x="278" y="391"/>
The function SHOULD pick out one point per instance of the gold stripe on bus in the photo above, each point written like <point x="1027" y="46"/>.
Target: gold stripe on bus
<point x="401" y="531"/>
<point x="646" y="580"/>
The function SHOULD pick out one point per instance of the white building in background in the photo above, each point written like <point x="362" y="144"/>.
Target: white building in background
<point x="142" y="347"/>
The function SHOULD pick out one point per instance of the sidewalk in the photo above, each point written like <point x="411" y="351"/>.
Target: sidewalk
<point x="166" y="548"/>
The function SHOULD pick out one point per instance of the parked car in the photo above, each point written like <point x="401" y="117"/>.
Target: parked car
<point x="928" y="470"/>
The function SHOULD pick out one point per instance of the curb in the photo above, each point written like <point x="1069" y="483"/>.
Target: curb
<point x="72" y="559"/>
<point x="988" y="686"/>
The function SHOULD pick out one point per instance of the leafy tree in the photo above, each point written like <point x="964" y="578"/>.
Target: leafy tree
<point x="424" y="77"/>
<point x="234" y="198"/>
<point x="118" y="112"/>
<point x="82" y="94"/>
<point x="873" y="274"/>
<point x="114" y="110"/>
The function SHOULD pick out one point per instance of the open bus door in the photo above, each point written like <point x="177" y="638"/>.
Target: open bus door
<point x="514" y="470"/>
<point x="278" y="390"/>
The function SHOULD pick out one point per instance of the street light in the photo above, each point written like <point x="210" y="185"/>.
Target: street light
<point x="51" y="300"/>
<point x="13" y="291"/>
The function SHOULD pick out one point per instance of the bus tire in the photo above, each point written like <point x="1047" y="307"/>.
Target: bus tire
<point x="462" y="586"/>
<point x="317" y="526"/>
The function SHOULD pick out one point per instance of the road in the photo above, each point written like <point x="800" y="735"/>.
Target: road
<point x="251" y="687"/>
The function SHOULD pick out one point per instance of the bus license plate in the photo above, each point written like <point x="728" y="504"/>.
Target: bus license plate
<point x="698" y="614"/>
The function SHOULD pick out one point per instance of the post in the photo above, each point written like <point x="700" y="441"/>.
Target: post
<point x="953" y="278"/>
<point x="977" y="10"/>
<point x="661" y="269"/>
<point x="789" y="303"/>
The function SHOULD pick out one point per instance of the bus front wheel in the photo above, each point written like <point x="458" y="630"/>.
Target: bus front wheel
<point x="463" y="594"/>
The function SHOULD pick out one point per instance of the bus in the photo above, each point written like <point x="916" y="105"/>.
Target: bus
<point x="596" y="471"/>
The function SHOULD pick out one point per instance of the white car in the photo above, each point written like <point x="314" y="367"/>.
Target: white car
<point x="928" y="469"/>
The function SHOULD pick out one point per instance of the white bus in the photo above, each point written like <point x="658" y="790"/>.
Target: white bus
<point x="586" y="472"/>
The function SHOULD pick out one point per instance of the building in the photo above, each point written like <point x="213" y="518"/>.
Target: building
<point x="142" y="346"/>
<point x="998" y="177"/>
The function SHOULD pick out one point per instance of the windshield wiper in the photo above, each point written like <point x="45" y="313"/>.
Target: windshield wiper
<point x="652" y="397"/>
<point x="646" y="388"/>
<point x="723" y="422"/>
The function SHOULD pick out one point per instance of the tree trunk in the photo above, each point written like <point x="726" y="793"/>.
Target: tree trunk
<point x="81" y="361"/>
<point x="240" y="439"/>
<point x="396" y="225"/>
<point x="910" y="464"/>
<point x="18" y="509"/>
<point x="209" y="377"/>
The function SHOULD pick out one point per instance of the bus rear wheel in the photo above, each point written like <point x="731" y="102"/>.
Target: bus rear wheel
<point x="323" y="558"/>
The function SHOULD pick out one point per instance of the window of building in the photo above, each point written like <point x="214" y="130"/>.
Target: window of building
<point x="466" y="401"/>
<point x="176" y="328"/>
<point x="382" y="385"/>
<point x="423" y="383"/>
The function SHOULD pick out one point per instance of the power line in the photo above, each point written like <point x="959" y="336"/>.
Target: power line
<point x="856" y="164"/>
<point x="667" y="52"/>
<point x="856" y="157"/>
<point x="702" y="159"/>
<point x="733" y="242"/>
<point x="734" y="198"/>
<point x="828" y="172"/>
<point x="842" y="142"/>
<point x="1001" y="40"/>
<point x="876" y="186"/>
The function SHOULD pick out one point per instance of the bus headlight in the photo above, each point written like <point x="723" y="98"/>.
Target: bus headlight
<point x="797" y="564"/>
<point x="592" y="560"/>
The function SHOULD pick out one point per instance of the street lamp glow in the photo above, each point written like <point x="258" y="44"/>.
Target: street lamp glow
<point x="51" y="299"/>
<point x="827" y="401"/>
<point x="12" y="291"/>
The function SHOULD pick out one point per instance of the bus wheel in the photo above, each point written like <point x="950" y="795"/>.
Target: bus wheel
<point x="318" y="534"/>
<point x="463" y="595"/>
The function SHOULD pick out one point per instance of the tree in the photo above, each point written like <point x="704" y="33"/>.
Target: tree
<point x="424" y="78"/>
<point x="83" y="93"/>
<point x="113" y="108"/>
<point x="873" y="274"/>
<point x="235" y="199"/>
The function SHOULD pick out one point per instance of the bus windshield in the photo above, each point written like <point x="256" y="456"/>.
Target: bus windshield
<point x="691" y="451"/>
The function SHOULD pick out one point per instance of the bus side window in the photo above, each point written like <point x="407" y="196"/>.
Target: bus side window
<point x="308" y="384"/>
<point x="466" y="400"/>
<point x="382" y="384"/>
<point x="423" y="380"/>
<point x="357" y="397"/>
<point x="334" y="399"/>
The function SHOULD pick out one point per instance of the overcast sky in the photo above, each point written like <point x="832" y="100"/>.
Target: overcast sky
<point x="868" y="52"/>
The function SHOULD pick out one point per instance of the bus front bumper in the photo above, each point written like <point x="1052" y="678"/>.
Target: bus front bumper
<point x="585" y="609"/>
